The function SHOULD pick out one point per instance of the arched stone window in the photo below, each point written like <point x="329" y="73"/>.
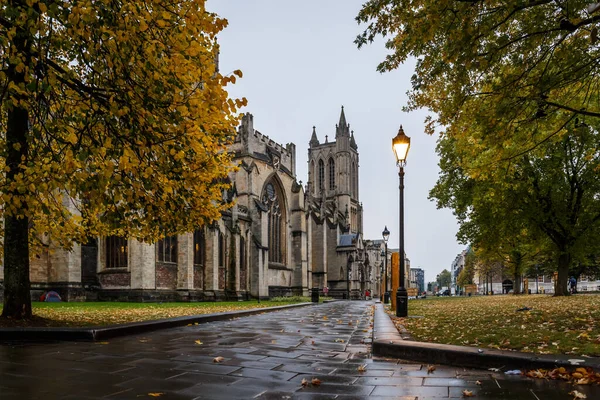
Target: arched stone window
<point x="331" y="174"/>
<point x="353" y="180"/>
<point x="221" y="250"/>
<point x="199" y="247"/>
<point x="321" y="174"/>
<point x="313" y="177"/>
<point x="116" y="252"/>
<point x="167" y="249"/>
<point x="243" y="263"/>
<point x="273" y="197"/>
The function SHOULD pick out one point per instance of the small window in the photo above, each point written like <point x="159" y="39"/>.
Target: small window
<point x="221" y="250"/>
<point x="242" y="254"/>
<point x="167" y="249"/>
<point x="331" y="174"/>
<point x="199" y="247"/>
<point x="116" y="252"/>
<point x="321" y="174"/>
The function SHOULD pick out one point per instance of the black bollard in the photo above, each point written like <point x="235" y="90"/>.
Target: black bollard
<point x="314" y="297"/>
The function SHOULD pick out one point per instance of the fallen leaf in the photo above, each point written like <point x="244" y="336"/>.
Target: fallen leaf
<point x="198" y="342"/>
<point x="577" y="395"/>
<point x="218" y="359"/>
<point x="362" y="368"/>
<point x="101" y="342"/>
<point x="467" y="393"/>
<point x="339" y="340"/>
<point x="430" y="369"/>
<point x="304" y="382"/>
<point x="478" y="382"/>
<point x="155" y="394"/>
<point x="316" y="382"/>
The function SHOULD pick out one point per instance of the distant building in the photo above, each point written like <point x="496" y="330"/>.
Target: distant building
<point x="417" y="279"/>
<point x="457" y="266"/>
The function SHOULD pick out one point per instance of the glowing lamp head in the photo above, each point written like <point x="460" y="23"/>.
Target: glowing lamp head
<point x="400" y="145"/>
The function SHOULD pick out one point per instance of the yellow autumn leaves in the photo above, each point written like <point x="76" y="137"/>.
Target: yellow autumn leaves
<point x="129" y="118"/>
<point x="552" y="325"/>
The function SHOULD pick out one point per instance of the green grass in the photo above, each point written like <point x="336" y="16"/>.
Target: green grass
<point x="79" y="314"/>
<point x="554" y="325"/>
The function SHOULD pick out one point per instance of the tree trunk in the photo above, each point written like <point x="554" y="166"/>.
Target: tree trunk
<point x="517" y="284"/>
<point x="17" y="298"/>
<point x="564" y="262"/>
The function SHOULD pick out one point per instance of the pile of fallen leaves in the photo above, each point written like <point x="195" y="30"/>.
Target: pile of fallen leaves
<point x="581" y="376"/>
<point x="530" y="323"/>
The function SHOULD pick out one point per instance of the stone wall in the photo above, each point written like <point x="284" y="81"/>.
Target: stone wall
<point x="166" y="275"/>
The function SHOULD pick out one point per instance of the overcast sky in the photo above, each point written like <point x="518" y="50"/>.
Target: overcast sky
<point x="300" y="66"/>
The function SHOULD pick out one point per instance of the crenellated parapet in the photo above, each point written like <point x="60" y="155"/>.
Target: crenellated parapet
<point x="251" y="142"/>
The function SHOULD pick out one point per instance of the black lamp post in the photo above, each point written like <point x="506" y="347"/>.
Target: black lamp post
<point x="386" y="294"/>
<point x="400" y="145"/>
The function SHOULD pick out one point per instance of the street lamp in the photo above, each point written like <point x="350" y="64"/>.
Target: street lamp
<point x="386" y="294"/>
<point x="400" y="145"/>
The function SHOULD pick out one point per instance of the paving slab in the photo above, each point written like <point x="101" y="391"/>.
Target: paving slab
<point x="265" y="356"/>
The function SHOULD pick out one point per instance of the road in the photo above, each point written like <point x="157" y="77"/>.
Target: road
<point x="314" y="352"/>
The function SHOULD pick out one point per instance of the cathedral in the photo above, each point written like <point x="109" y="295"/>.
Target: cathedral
<point x="279" y="239"/>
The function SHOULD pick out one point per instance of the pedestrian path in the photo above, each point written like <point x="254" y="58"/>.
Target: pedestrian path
<point x="318" y="352"/>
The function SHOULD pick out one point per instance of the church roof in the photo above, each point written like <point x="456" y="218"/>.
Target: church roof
<point x="348" y="240"/>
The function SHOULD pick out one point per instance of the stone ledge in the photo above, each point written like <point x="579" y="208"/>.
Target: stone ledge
<point x="110" y="331"/>
<point x="389" y="343"/>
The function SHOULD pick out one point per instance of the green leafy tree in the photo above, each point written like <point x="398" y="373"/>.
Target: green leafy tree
<point x="114" y="121"/>
<point x="507" y="81"/>
<point x="544" y="200"/>
<point x="521" y="70"/>
<point x="444" y="278"/>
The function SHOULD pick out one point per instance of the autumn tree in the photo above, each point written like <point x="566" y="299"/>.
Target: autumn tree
<point x="467" y="273"/>
<point x="115" y="122"/>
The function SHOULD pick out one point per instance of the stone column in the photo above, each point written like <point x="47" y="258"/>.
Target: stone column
<point x="211" y="282"/>
<point x="142" y="264"/>
<point x="236" y="286"/>
<point x="185" y="261"/>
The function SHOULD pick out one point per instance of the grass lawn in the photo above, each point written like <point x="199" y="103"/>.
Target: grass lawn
<point x="78" y="314"/>
<point x="553" y="325"/>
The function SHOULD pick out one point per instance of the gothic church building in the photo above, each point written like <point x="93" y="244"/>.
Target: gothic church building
<point x="279" y="239"/>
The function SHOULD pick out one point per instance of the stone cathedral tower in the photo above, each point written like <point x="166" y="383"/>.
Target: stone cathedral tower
<point x="335" y="229"/>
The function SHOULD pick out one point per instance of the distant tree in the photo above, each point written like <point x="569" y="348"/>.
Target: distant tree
<point x="444" y="278"/>
<point x="464" y="278"/>
<point x="115" y="122"/>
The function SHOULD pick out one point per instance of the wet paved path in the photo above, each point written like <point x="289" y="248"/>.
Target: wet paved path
<point x="266" y="356"/>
